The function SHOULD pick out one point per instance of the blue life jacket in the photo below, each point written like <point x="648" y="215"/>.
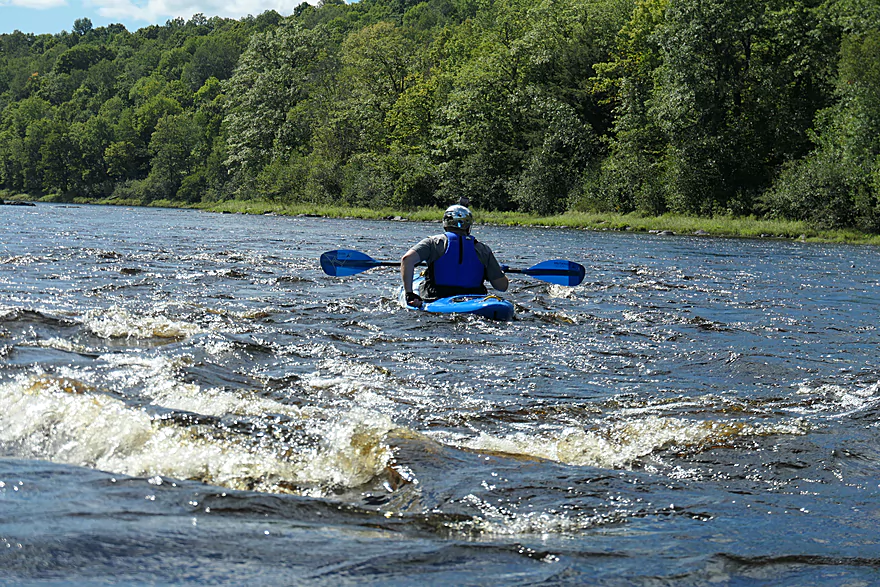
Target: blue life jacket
<point x="458" y="271"/>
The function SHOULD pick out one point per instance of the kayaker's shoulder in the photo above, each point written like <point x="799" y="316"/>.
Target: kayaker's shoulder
<point x="431" y="248"/>
<point x="482" y="247"/>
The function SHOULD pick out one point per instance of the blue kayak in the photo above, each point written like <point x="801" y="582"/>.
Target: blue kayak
<point x="486" y="305"/>
<point x="346" y="262"/>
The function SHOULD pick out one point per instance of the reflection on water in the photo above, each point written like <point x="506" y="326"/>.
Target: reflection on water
<point x="698" y="410"/>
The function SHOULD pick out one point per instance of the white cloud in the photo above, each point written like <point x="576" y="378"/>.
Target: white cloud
<point x="38" y="4"/>
<point x="157" y="11"/>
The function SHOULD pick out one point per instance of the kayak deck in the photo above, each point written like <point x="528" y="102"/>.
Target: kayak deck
<point x="485" y="305"/>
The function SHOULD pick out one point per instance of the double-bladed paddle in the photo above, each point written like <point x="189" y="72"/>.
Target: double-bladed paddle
<point x="345" y="262"/>
<point x="558" y="271"/>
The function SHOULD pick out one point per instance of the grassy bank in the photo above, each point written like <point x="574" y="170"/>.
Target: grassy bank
<point x="726" y="226"/>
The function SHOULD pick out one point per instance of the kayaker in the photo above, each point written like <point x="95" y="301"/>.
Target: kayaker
<point x="457" y="263"/>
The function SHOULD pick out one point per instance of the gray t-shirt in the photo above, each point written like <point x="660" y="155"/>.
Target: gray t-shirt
<point x="432" y="248"/>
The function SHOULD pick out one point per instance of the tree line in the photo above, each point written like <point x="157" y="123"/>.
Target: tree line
<point x="755" y="107"/>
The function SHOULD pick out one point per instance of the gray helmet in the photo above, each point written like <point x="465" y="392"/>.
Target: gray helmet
<point x="458" y="217"/>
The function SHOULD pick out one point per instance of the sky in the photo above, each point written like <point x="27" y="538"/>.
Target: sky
<point x="54" y="16"/>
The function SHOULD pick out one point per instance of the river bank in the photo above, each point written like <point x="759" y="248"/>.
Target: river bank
<point x="671" y="224"/>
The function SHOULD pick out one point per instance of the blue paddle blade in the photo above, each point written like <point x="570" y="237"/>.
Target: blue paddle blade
<point x="344" y="262"/>
<point x="558" y="271"/>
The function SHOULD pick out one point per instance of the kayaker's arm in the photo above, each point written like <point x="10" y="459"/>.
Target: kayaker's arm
<point x="500" y="283"/>
<point x="407" y="270"/>
<point x="495" y="273"/>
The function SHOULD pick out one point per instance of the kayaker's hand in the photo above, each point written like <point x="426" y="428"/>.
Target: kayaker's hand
<point x="413" y="299"/>
<point x="505" y="268"/>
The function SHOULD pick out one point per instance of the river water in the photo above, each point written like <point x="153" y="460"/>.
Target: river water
<point x="186" y="398"/>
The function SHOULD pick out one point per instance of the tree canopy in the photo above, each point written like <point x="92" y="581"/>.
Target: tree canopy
<point x="756" y="107"/>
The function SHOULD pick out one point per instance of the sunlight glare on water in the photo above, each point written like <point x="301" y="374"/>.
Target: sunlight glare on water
<point x="697" y="411"/>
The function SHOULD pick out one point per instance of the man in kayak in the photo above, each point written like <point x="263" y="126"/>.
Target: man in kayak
<point x="457" y="263"/>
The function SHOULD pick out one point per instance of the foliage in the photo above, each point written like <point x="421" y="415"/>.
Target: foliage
<point x="837" y="185"/>
<point x="712" y="97"/>
<point x="757" y="107"/>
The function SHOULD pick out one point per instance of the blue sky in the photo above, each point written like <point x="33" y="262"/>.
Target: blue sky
<point x="54" y="16"/>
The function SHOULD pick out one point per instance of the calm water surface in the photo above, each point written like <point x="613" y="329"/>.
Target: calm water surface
<point x="186" y="398"/>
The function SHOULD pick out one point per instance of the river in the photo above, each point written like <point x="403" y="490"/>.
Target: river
<point x="186" y="398"/>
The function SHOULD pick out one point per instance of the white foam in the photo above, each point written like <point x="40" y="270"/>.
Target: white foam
<point x="67" y="421"/>
<point x="353" y="451"/>
<point x="61" y="344"/>
<point x="117" y="322"/>
<point x="839" y="400"/>
<point x="562" y="292"/>
<point x="499" y="520"/>
<point x="620" y="445"/>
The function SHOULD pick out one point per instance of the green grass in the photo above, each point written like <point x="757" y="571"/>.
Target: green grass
<point x="327" y="211"/>
<point x="726" y="226"/>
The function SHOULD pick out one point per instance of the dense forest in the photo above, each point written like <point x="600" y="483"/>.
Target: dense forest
<point x="754" y="107"/>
